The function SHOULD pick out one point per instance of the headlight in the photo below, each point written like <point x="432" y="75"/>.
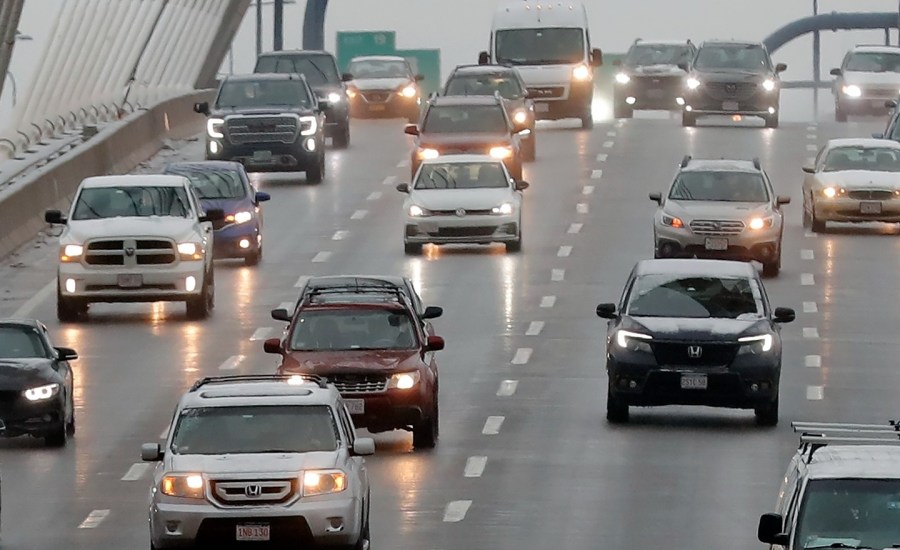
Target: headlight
<point x="408" y="91"/>
<point x="351" y="92"/>
<point x="182" y="485"/>
<point x="504" y="209"/>
<point x="623" y="78"/>
<point x="768" y="84"/>
<point x="190" y="251"/>
<point x="417" y="211"/>
<point x="852" y="90"/>
<point x="761" y="223"/>
<point x="633" y="341"/>
<point x="521" y="117"/>
<point x="334" y="97"/>
<point x="830" y="192"/>
<point x="672" y="221"/>
<point x="428" y="153"/>
<point x="41" y="393"/>
<point x="582" y="73"/>
<point x="71" y="253"/>
<point x="239" y="217"/>
<point x="403" y="380"/>
<point x="755" y="344"/>
<point x="692" y="83"/>
<point x="214" y="127"/>
<point x="501" y="152"/>
<point x="313" y="125"/>
<point x="323" y="482"/>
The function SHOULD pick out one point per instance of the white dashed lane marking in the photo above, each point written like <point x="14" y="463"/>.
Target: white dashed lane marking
<point x="575" y="228"/>
<point x="390" y="180"/>
<point x="403" y="163"/>
<point x="557" y="275"/>
<point x="323" y="256"/>
<point x="232" y="362"/>
<point x="810" y="307"/>
<point x="807" y="254"/>
<point x="611" y="133"/>
<point x="807" y="279"/>
<point x="374" y="196"/>
<point x="94" y="519"/>
<point x="340" y="235"/>
<point x="814" y="361"/>
<point x="137" y="471"/>
<point x="582" y="208"/>
<point x="811" y="147"/>
<point x="602" y="157"/>
<point x="811" y="136"/>
<point x="810" y="235"/>
<point x="608" y="144"/>
<point x="359" y="214"/>
<point x="815" y="393"/>
<point x="492" y="425"/>
<point x="564" y="251"/>
<point x="810" y="332"/>
<point x="588" y="189"/>
<point x="507" y="388"/>
<point x="260" y="334"/>
<point x="456" y="510"/>
<point x="548" y="301"/>
<point x="534" y="328"/>
<point x="475" y="466"/>
<point x="596" y="174"/>
<point x="522" y="356"/>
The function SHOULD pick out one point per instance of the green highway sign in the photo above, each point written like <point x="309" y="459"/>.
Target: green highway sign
<point x="426" y="63"/>
<point x="355" y="44"/>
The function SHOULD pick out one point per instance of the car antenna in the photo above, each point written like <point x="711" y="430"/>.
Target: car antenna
<point x="685" y="161"/>
<point x="756" y="163"/>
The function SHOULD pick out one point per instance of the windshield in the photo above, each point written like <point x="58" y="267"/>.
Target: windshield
<point x="658" y="54"/>
<point x="353" y="329"/>
<point x="485" y="84"/>
<point x="96" y="203"/>
<point x="371" y="68"/>
<point x="465" y="119"/>
<point x="695" y="297"/>
<point x="853" y="512"/>
<point x="874" y="62"/>
<point x="21" y="342"/>
<point x="318" y="69"/>
<point x="255" y="429"/>
<point x="462" y="175"/>
<point x="213" y="183"/>
<point x="749" y="58"/>
<point x="263" y="93"/>
<point x="720" y="186"/>
<point x="879" y="159"/>
<point x="546" y="46"/>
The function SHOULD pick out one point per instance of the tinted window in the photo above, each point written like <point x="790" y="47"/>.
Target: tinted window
<point x="860" y="513"/>
<point x="258" y="429"/>
<point x="546" y="46"/>
<point x="318" y="69"/>
<point x="874" y="62"/>
<point x="129" y="202"/>
<point x="720" y="186"/>
<point x="465" y="119"/>
<point x="750" y="58"/>
<point x="371" y="68"/>
<point x="213" y="183"/>
<point x="485" y="84"/>
<point x="20" y="342"/>
<point x="658" y="54"/>
<point x="879" y="159"/>
<point x="695" y="297"/>
<point x="353" y="330"/>
<point x="461" y="175"/>
<point x="263" y="93"/>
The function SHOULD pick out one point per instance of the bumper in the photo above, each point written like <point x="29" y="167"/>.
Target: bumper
<point x="865" y="105"/>
<point x="157" y="283"/>
<point x="22" y="417"/>
<point x="762" y="105"/>
<point x="664" y="96"/>
<point x="270" y="157"/>
<point x="762" y="246"/>
<point x="304" y="523"/>
<point x="467" y="229"/>
<point x="392" y="409"/>
<point x="575" y="102"/>
<point x="229" y="241"/>
<point x="852" y="210"/>
<point x="395" y="106"/>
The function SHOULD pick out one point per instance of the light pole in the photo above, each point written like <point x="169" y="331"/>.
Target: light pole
<point x="12" y="78"/>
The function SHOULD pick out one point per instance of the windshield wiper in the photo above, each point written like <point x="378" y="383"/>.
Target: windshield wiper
<point x="837" y="545"/>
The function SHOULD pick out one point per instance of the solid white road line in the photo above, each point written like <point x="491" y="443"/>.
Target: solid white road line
<point x="475" y="466"/>
<point x="807" y="254"/>
<point x="507" y="388"/>
<point x="522" y="356"/>
<point x="136" y="472"/>
<point x="557" y="275"/>
<point x="548" y="301"/>
<point x="582" y="208"/>
<point x="602" y="157"/>
<point x="456" y="510"/>
<point x="390" y="180"/>
<point x="374" y="196"/>
<point x="403" y="163"/>
<point x="232" y="362"/>
<point x="492" y="425"/>
<point x="814" y="361"/>
<point x="323" y="256"/>
<point x="564" y="251"/>
<point x="807" y="279"/>
<point x="340" y="235"/>
<point x="32" y="303"/>
<point x="810" y="307"/>
<point x="596" y="174"/>
<point x="575" y="228"/>
<point x="587" y="190"/>
<point x="261" y="334"/>
<point x="815" y="393"/>
<point x="534" y="328"/>
<point x="94" y="519"/>
<point x="810" y="332"/>
<point x="359" y="214"/>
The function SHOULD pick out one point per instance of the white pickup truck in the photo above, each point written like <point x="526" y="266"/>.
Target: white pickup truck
<point x="135" y="238"/>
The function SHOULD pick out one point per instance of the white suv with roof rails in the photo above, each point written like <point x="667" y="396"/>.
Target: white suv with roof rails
<point x="841" y="490"/>
<point x="260" y="459"/>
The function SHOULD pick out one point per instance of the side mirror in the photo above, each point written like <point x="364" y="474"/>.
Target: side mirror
<point x="483" y="58"/>
<point x="67" y="354"/>
<point x="364" y="446"/>
<point x="836" y="72"/>
<point x="522" y="185"/>
<point x="262" y="196"/>
<point x="346" y="77"/>
<point x="281" y="314"/>
<point x="770" y="530"/>
<point x="151" y="452"/>
<point x="783" y="199"/>
<point x="780" y="68"/>
<point x="891" y="103"/>
<point x="878" y="135"/>
<point x="434" y="343"/>
<point x="684" y="67"/>
<point x="596" y="57"/>
<point x="606" y="311"/>
<point x="213" y="215"/>
<point x="403" y="187"/>
<point x="617" y="63"/>
<point x="419" y="77"/>
<point x="55" y="217"/>
<point x="202" y="107"/>
<point x="784" y="315"/>
<point x="273" y="346"/>
<point x="809" y="169"/>
<point x="411" y="130"/>
<point x="656" y="197"/>
<point x="432" y="312"/>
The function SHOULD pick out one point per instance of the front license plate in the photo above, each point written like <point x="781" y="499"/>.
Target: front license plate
<point x="262" y="155"/>
<point x="716" y="244"/>
<point x="694" y="382"/>
<point x="356" y="406"/>
<point x="376" y="107"/>
<point x="130" y="280"/>
<point x="870" y="207"/>
<point x="253" y="532"/>
<point x="542" y="107"/>
<point x="730" y="106"/>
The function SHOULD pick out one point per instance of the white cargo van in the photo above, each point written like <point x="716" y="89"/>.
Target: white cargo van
<point x="550" y="44"/>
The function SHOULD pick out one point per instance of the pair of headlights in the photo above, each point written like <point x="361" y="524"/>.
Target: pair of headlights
<point x="754" y="224"/>
<point x="693" y="83"/>
<point x="186" y="251"/>
<point x="750" y="345"/>
<point x="313" y="483"/>
<point x="309" y="125"/>
<point x="501" y="152"/>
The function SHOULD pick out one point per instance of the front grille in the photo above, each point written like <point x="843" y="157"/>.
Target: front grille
<point x="672" y="353"/>
<point x="466" y="231"/>
<point x="116" y="252"/>
<point x="359" y="383"/>
<point x="253" y="492"/>
<point x="465" y="149"/>
<point x="650" y="81"/>
<point x="874" y="91"/>
<point x="735" y="91"/>
<point x="870" y="195"/>
<point x="546" y="92"/>
<point x="464" y="212"/>
<point x="262" y="129"/>
<point x="717" y="227"/>
<point x="106" y="245"/>
<point x="379" y="96"/>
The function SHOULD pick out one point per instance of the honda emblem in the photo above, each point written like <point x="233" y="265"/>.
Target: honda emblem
<point x="252" y="491"/>
<point x="694" y="352"/>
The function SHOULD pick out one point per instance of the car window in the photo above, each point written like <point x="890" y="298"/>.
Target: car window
<point x="353" y="329"/>
<point x="750" y="58"/>
<point x="485" y="84"/>
<point x="658" y="54"/>
<point x="21" y="342"/>
<point x="541" y="46"/>
<point x="461" y="175"/>
<point x="263" y="93"/>
<point x="379" y="68"/>
<point x="465" y="119"/>
<point x="695" y="297"/>
<point x="880" y="159"/>
<point x="212" y="183"/>
<point x="727" y="186"/>
<point x="255" y="429"/>
<point x="874" y="62"/>
<point x="318" y="69"/>
<point x="96" y="203"/>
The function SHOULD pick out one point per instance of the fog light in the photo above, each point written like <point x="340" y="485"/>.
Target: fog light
<point x="630" y="100"/>
<point x="336" y="523"/>
<point x="190" y="284"/>
<point x="214" y="147"/>
<point x="173" y="526"/>
<point x="632" y="384"/>
<point x="754" y="387"/>
<point x="771" y="110"/>
<point x="70" y="286"/>
<point x="679" y="100"/>
<point x="245" y="243"/>
<point x="688" y="108"/>
<point x="311" y="144"/>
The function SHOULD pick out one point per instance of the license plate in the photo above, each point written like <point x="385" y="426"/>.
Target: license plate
<point x="694" y="382"/>
<point x="262" y="155"/>
<point x="253" y="532"/>
<point x="717" y="244"/>
<point x="376" y="107"/>
<point x="356" y="406"/>
<point x="870" y="208"/>
<point x="130" y="280"/>
<point x="542" y="107"/>
<point x="730" y="106"/>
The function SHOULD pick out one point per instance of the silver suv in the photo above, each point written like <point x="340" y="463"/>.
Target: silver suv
<point x="724" y="209"/>
<point x="260" y="459"/>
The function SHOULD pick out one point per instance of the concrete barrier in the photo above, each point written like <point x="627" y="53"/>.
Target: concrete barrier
<point x="116" y="149"/>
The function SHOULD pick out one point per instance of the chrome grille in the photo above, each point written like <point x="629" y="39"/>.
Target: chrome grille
<point x="717" y="227"/>
<point x="359" y="383"/>
<point x="870" y="195"/>
<point x="117" y="252"/>
<point x="376" y="96"/>
<point x="253" y="492"/>
<point x="546" y="92"/>
<point x="262" y="129"/>
<point x="735" y="91"/>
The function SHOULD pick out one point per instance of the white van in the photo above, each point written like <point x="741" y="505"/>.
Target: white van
<point x="550" y="44"/>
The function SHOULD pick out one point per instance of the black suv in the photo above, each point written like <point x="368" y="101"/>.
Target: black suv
<point x="694" y="332"/>
<point x="503" y="80"/>
<point x="651" y="77"/>
<point x="321" y="71"/>
<point x="732" y="78"/>
<point x="268" y="123"/>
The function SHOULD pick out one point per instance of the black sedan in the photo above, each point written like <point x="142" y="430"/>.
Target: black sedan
<point x="694" y="332"/>
<point x="36" y="386"/>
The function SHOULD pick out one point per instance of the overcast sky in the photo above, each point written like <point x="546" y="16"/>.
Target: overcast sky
<point x="460" y="28"/>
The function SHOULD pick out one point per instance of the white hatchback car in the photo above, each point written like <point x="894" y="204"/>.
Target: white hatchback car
<point x="462" y="199"/>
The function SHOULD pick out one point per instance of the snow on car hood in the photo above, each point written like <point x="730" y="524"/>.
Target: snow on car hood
<point x="861" y="179"/>
<point x="659" y="70"/>
<point x="861" y="78"/>
<point x="716" y="210"/>
<point x="151" y="226"/>
<point x="251" y="463"/>
<point x="451" y="199"/>
<point x="690" y="329"/>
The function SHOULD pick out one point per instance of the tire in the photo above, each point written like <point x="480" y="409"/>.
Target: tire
<point x="254" y="258"/>
<point x="341" y="140"/>
<point x="57" y="436"/>
<point x="412" y="249"/>
<point x="587" y="121"/>
<point x="199" y="307"/>
<point x="772" y="269"/>
<point x="840" y="115"/>
<point x="317" y="173"/>
<point x="529" y="148"/>
<point x="817" y="225"/>
<point x="515" y="246"/>
<point x="616" y="410"/>
<point x="68" y="310"/>
<point x="767" y="415"/>
<point x="688" y="120"/>
<point x="425" y="434"/>
<point x="70" y="424"/>
<point x="772" y="121"/>
<point x="623" y="111"/>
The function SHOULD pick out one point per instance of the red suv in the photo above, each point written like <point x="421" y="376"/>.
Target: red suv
<point x="371" y="343"/>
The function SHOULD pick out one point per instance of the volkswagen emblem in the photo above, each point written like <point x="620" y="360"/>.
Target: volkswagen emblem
<point x="461" y="212"/>
<point x="129" y="251"/>
<point x="695" y="352"/>
<point x="253" y="491"/>
<point x="731" y="88"/>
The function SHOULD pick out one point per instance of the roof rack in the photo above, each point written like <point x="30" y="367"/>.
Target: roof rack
<point x="756" y="163"/>
<point x="386" y="289"/>
<point x="685" y="161"/>
<point x="815" y="435"/>
<point x="318" y="380"/>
